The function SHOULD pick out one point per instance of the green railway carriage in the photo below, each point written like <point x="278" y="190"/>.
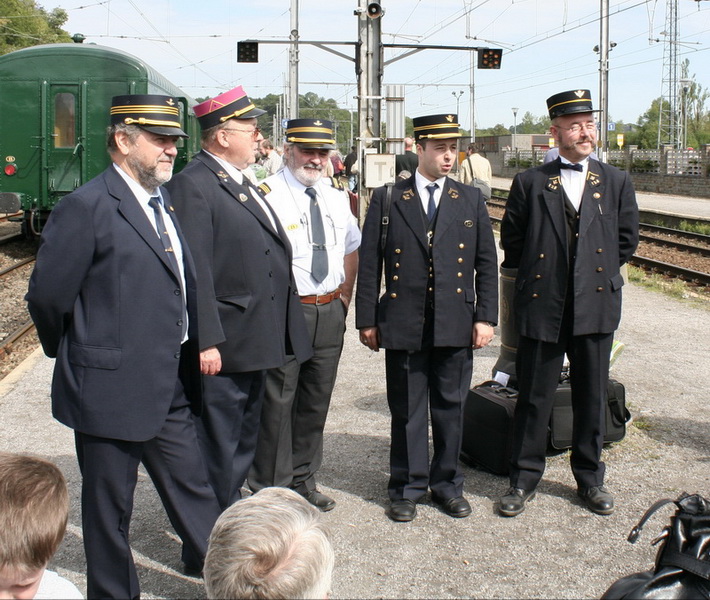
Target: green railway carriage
<point x="54" y="113"/>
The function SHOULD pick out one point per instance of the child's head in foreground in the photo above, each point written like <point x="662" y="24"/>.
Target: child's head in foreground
<point x="34" y="508"/>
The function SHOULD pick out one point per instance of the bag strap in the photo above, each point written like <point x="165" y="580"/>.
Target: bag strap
<point x="636" y="531"/>
<point x="619" y="413"/>
<point x="673" y="558"/>
<point x="385" y="222"/>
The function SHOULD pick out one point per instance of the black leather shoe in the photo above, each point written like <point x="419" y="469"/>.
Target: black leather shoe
<point x="457" y="507"/>
<point x="514" y="501"/>
<point x="191" y="570"/>
<point x="402" y="510"/>
<point x="319" y="500"/>
<point x="597" y="499"/>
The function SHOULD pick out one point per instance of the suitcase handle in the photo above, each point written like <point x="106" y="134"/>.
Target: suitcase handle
<point x="506" y="391"/>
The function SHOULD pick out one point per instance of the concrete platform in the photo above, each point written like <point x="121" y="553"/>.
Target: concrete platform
<point x="555" y="549"/>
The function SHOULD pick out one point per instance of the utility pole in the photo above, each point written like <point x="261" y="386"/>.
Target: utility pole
<point x="292" y="109"/>
<point x="669" y="128"/>
<point x="604" y="80"/>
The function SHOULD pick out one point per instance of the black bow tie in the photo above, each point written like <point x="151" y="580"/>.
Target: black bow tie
<point x="573" y="166"/>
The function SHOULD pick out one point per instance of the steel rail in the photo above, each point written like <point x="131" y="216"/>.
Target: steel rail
<point x="17" y="265"/>
<point x="19" y="333"/>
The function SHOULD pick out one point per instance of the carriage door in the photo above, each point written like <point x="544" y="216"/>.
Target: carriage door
<point x="65" y="161"/>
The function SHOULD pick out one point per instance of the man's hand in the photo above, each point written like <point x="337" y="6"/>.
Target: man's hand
<point x="210" y="361"/>
<point x="482" y="334"/>
<point x="370" y="336"/>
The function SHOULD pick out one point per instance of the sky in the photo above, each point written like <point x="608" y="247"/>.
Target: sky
<point x="548" y="47"/>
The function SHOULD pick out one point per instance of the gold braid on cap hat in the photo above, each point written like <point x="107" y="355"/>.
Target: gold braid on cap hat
<point x="237" y="113"/>
<point x="144" y="121"/>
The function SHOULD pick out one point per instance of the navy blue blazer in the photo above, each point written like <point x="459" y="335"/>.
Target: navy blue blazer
<point x="247" y="300"/>
<point x="463" y="264"/>
<point x="534" y="238"/>
<point x="108" y="306"/>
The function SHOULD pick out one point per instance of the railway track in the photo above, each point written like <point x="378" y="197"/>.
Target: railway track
<point x="649" y="264"/>
<point x="6" y="346"/>
<point x="17" y="265"/>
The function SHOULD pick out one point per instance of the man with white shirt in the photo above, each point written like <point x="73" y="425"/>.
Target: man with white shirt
<point x="569" y="226"/>
<point x="251" y="319"/>
<point x="315" y="212"/>
<point x="113" y="299"/>
<point x="440" y="303"/>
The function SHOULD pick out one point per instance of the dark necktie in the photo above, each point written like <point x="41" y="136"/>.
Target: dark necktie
<point x="155" y="203"/>
<point x="573" y="166"/>
<point x="431" y="207"/>
<point x="319" y="262"/>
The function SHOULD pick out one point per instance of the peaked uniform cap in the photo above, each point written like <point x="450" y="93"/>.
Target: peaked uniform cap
<point x="568" y="103"/>
<point x="234" y="104"/>
<point x="311" y="133"/>
<point x="152" y="112"/>
<point x="436" y="127"/>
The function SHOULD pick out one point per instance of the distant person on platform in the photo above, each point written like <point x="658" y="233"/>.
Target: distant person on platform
<point x="315" y="212"/>
<point x="349" y="161"/>
<point x="440" y="302"/>
<point x="272" y="544"/>
<point x="475" y="170"/>
<point x="568" y="227"/>
<point x="407" y="161"/>
<point x="113" y="299"/>
<point x="270" y="158"/>
<point x="250" y="318"/>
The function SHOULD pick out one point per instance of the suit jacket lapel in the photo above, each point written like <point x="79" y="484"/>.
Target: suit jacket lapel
<point x="591" y="197"/>
<point x="553" y="194"/>
<point x="449" y="207"/>
<point x="132" y="211"/>
<point x="409" y="205"/>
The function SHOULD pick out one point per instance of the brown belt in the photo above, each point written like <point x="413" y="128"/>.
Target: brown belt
<point x="322" y="299"/>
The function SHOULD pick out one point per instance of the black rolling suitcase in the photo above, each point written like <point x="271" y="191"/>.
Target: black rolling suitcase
<point x="488" y="427"/>
<point x="617" y="415"/>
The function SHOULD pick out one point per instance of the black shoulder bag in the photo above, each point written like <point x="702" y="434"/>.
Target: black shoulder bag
<point x="682" y="568"/>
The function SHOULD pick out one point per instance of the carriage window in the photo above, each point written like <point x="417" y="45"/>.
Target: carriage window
<point x="64" y="116"/>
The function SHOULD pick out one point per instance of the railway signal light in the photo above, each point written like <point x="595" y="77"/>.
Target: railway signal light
<point x="489" y="58"/>
<point x="248" y="52"/>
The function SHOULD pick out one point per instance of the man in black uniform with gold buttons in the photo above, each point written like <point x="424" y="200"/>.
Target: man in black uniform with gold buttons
<point x="440" y="302"/>
<point x="569" y="226"/>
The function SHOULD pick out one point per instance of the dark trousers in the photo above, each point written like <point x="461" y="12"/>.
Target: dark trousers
<point x="435" y="379"/>
<point x="109" y="471"/>
<point x="228" y="430"/>
<point x="290" y="446"/>
<point x="538" y="366"/>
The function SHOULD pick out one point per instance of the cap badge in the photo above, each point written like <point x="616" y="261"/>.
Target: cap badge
<point x="450" y="118"/>
<point x="579" y="93"/>
<point x="318" y="123"/>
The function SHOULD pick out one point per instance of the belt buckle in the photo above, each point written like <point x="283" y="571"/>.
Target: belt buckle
<point x="318" y="299"/>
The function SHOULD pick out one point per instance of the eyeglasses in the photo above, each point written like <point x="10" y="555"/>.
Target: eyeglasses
<point x="577" y="127"/>
<point x="253" y="132"/>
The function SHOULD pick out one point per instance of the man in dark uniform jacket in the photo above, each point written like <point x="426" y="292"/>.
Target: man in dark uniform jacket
<point x="113" y="299"/>
<point x="409" y="160"/>
<point x="569" y="226"/>
<point x="250" y="316"/>
<point x="440" y="301"/>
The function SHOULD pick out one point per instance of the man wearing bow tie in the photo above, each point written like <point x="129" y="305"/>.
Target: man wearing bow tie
<point x="569" y="226"/>
<point x="250" y="315"/>
<point x="440" y="302"/>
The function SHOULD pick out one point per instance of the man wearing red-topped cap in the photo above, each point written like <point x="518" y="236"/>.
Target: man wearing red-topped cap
<point x="250" y="315"/>
<point x="568" y="227"/>
<point x="113" y="299"/>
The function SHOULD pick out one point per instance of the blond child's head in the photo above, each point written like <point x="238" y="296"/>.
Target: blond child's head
<point x="34" y="508"/>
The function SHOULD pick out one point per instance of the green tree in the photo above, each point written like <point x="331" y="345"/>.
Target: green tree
<point x="530" y="124"/>
<point x="646" y="133"/>
<point x="498" y="129"/>
<point x="693" y="99"/>
<point x="24" y="23"/>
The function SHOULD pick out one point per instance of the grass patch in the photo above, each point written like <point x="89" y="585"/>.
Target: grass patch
<point x="676" y="288"/>
<point x="694" y="227"/>
<point x="642" y="423"/>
